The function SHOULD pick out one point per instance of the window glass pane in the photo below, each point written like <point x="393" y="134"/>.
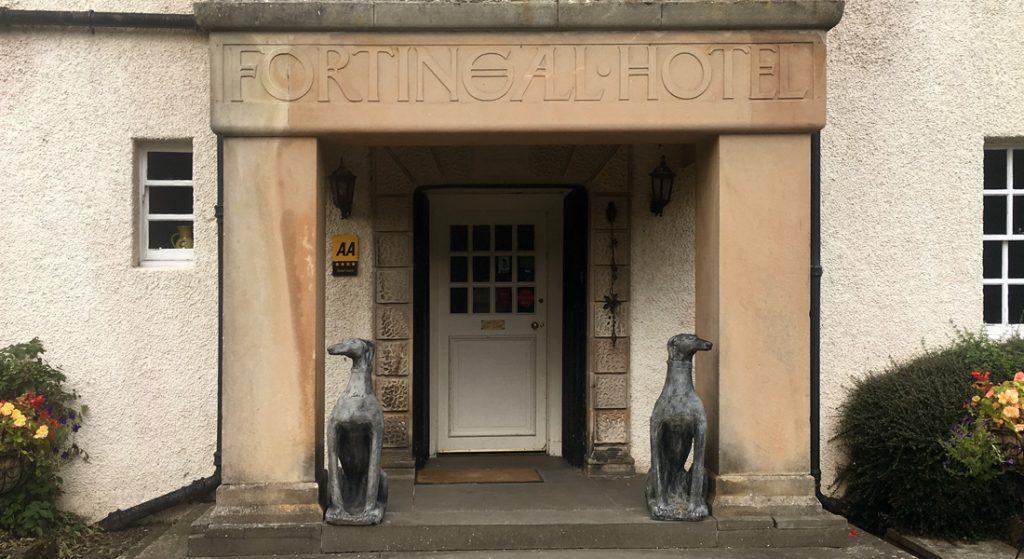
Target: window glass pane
<point x="524" y="300"/>
<point x="458" y="238"/>
<point x="995" y="215"/>
<point x="481" y="237"/>
<point x="481" y="268"/>
<point x="502" y="237"/>
<point x="458" y="303"/>
<point x="524" y="239"/>
<point x="1016" y="300"/>
<point x="481" y="300"/>
<point x="995" y="169"/>
<point x="170" y="234"/>
<point x="1018" y="214"/>
<point x="176" y="200"/>
<point x="458" y="269"/>
<point x="524" y="268"/>
<point x="1018" y="169"/>
<point x="1016" y="258"/>
<point x="993" y="304"/>
<point x="992" y="259"/>
<point x="169" y="165"/>
<point x="502" y="268"/>
<point x="503" y="299"/>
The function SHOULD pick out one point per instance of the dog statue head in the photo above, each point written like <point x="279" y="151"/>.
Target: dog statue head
<point x="355" y="348"/>
<point x="683" y="346"/>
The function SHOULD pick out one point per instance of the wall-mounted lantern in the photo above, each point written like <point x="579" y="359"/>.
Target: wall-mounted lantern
<point x="662" y="179"/>
<point x="343" y="186"/>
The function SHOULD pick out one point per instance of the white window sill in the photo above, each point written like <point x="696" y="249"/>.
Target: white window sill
<point x="1003" y="331"/>
<point x="166" y="264"/>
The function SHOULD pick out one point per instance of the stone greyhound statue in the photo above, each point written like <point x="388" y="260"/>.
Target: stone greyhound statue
<point x="678" y="421"/>
<point x="355" y="435"/>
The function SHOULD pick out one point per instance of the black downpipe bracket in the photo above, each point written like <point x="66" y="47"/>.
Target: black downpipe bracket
<point x="198" y="489"/>
<point x="91" y="19"/>
<point x="828" y="503"/>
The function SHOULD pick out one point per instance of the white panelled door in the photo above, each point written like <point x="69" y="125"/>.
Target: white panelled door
<point x="488" y="285"/>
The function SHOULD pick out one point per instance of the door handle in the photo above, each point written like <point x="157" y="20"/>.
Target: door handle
<point x="535" y="325"/>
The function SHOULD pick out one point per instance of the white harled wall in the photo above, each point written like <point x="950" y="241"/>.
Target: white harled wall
<point x="139" y="344"/>
<point x="915" y="88"/>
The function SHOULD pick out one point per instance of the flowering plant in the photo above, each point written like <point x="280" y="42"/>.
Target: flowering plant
<point x="987" y="442"/>
<point x="28" y="428"/>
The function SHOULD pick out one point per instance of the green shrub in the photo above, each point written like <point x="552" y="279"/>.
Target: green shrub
<point x="38" y="421"/>
<point x="892" y="428"/>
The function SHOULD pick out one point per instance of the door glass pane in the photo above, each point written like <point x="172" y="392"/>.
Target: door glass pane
<point x="993" y="304"/>
<point x="481" y="237"/>
<point x="1016" y="300"/>
<point x="524" y="300"/>
<point x="170" y="234"/>
<point x="459" y="303"/>
<point x="459" y="269"/>
<point x="502" y="268"/>
<point x="481" y="268"/>
<point x="170" y="199"/>
<point x="459" y="238"/>
<point x="992" y="259"/>
<point x="995" y="169"/>
<point x="524" y="239"/>
<point x="1018" y="213"/>
<point x="995" y="215"/>
<point x="503" y="299"/>
<point x="502" y="237"/>
<point x="524" y="268"/>
<point x="169" y="165"/>
<point x="1016" y="258"/>
<point x="481" y="300"/>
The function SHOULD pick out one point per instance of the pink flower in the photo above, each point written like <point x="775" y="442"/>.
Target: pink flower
<point x="1019" y="376"/>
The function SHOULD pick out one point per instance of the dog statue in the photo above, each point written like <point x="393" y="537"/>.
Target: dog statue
<point x="355" y="437"/>
<point x="678" y="421"/>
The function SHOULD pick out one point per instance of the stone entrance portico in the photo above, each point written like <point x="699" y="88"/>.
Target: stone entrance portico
<point x="286" y="77"/>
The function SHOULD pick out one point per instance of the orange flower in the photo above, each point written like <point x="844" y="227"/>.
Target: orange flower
<point x="1011" y="412"/>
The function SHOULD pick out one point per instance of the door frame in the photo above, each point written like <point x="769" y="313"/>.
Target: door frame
<point x="566" y="404"/>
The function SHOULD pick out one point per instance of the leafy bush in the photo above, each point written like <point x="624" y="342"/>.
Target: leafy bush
<point x="38" y="421"/>
<point x="892" y="428"/>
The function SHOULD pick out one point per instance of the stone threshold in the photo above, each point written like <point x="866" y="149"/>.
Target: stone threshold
<point x="452" y="531"/>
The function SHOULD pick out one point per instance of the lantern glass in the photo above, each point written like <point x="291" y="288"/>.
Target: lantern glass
<point x="662" y="181"/>
<point x="343" y="186"/>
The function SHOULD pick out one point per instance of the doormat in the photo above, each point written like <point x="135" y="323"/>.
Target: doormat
<point x="478" y="475"/>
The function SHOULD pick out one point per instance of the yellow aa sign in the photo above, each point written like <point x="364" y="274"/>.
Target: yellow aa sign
<point x="344" y="255"/>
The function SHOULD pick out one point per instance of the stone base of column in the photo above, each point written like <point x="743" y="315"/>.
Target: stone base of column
<point x="730" y="494"/>
<point x="259" y="519"/>
<point x="398" y="463"/>
<point x="609" y="461"/>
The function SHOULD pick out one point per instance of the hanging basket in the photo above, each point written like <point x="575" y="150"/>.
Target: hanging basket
<point x="14" y="470"/>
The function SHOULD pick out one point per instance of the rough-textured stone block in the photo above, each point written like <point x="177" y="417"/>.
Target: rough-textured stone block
<point x="455" y="162"/>
<point x="611" y="427"/>
<point x="393" y="394"/>
<point x="420" y="162"/>
<point x="390" y="177"/>
<point x="601" y="282"/>
<point x="394" y="285"/>
<point x="586" y="162"/>
<point x="396" y="430"/>
<point x="393" y="213"/>
<point x="394" y="322"/>
<point x="610" y="358"/>
<point x="601" y="249"/>
<point x="393" y="359"/>
<point x="603" y="321"/>
<point x="611" y="391"/>
<point x="394" y="250"/>
<point x="614" y="177"/>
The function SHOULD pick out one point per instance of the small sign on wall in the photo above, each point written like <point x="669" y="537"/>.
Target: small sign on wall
<point x="345" y="255"/>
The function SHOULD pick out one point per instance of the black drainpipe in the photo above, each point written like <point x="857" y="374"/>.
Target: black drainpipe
<point x="202" y="487"/>
<point x="828" y="503"/>
<point x="91" y="19"/>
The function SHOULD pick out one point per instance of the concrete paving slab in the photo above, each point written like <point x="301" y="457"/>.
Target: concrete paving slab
<point x="934" y="548"/>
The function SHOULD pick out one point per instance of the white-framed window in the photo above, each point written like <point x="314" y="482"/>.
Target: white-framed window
<point x="165" y="203"/>
<point x="1003" y="239"/>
